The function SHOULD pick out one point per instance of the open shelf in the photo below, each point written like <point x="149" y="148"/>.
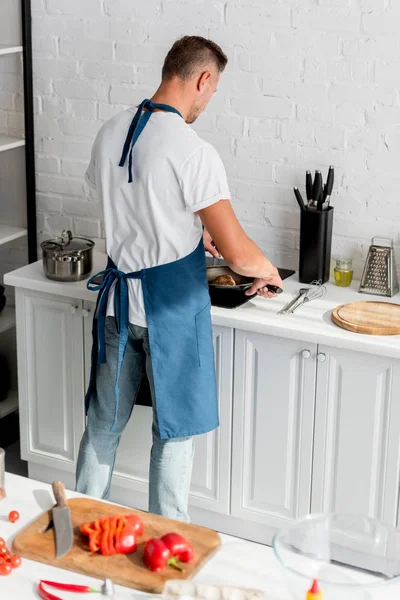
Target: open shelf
<point x="8" y="233"/>
<point x="7" y="318"/>
<point x="7" y="142"/>
<point x="4" y="49"/>
<point x="9" y="405"/>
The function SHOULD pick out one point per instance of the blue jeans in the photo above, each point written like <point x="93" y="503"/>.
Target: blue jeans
<point x="170" y="459"/>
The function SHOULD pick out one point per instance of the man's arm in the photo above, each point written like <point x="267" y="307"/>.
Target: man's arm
<point x="241" y="254"/>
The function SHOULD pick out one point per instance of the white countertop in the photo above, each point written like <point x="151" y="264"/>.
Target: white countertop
<point x="311" y="323"/>
<point x="237" y="562"/>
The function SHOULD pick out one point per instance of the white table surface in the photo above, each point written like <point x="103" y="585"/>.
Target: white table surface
<point x="238" y="562"/>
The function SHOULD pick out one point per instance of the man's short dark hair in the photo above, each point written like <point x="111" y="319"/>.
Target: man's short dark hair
<point x="191" y="53"/>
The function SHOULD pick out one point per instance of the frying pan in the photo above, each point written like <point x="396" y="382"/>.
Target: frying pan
<point x="242" y="283"/>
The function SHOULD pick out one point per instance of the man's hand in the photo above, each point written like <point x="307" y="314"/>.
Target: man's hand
<point x="259" y="285"/>
<point x="209" y="245"/>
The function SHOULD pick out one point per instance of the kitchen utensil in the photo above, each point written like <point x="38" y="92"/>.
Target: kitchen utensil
<point x="380" y="274"/>
<point x="314" y="291"/>
<point x="67" y="258"/>
<point x="37" y="543"/>
<point x="329" y="185"/>
<point x="309" y="186"/>
<point x="353" y="557"/>
<point x="242" y="283"/>
<point x="317" y="188"/>
<point x="373" y="318"/>
<point x="286" y="309"/>
<point x="299" y="198"/>
<point x="315" y="244"/>
<point x="61" y="514"/>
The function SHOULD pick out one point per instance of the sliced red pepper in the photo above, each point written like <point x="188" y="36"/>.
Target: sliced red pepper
<point x="94" y="540"/>
<point x="111" y="535"/>
<point x="179" y="547"/>
<point x="86" y="528"/>
<point x="104" y="537"/>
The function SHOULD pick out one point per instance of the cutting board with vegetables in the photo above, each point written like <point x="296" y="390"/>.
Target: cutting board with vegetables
<point x="372" y="318"/>
<point x="36" y="542"/>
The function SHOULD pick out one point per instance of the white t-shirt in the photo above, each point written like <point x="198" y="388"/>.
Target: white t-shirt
<point x="153" y="221"/>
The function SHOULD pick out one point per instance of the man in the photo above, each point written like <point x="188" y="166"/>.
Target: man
<point x="158" y="183"/>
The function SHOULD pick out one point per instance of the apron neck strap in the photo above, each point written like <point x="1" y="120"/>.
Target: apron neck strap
<point x="137" y="125"/>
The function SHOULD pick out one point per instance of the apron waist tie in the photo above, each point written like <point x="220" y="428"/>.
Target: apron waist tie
<point x="121" y="310"/>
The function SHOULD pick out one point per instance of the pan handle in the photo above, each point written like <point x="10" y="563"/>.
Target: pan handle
<point x="271" y="288"/>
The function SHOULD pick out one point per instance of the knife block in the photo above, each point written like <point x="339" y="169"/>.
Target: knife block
<point x="315" y="245"/>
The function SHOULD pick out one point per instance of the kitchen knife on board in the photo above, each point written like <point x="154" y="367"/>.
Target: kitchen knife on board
<point x="64" y="534"/>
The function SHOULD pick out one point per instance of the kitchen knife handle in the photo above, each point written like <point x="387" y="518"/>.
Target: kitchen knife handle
<point x="59" y="493"/>
<point x="309" y="185"/>
<point x="329" y="182"/>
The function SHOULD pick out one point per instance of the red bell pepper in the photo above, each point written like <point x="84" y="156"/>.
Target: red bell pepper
<point x="157" y="555"/>
<point x="179" y="547"/>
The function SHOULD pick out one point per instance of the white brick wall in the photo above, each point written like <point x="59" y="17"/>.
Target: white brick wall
<point x="309" y="83"/>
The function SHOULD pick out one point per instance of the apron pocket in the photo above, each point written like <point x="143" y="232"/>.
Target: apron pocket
<point x="204" y="335"/>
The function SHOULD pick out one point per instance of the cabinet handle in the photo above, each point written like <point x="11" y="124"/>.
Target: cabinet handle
<point x="73" y="309"/>
<point x="306" y="354"/>
<point x="321" y="357"/>
<point x="85" y="312"/>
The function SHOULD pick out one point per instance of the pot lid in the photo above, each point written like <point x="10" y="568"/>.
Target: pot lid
<point x="67" y="243"/>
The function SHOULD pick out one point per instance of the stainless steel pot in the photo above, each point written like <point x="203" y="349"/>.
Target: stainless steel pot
<point x="67" y="258"/>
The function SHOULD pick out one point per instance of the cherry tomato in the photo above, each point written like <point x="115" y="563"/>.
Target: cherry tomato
<point x="2" y="542"/>
<point x="15" y="561"/>
<point x="3" y="551"/>
<point x="5" y="569"/>
<point x="13" y="516"/>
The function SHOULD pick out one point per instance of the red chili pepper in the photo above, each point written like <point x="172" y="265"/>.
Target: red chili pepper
<point x="45" y="594"/>
<point x="179" y="547"/>
<point x="69" y="587"/>
<point x="156" y="556"/>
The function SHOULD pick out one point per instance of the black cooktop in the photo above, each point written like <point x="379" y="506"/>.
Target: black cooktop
<point x="234" y="298"/>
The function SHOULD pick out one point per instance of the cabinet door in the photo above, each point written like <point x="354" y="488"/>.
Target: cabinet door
<point x="50" y="370"/>
<point x="210" y="487"/>
<point x="356" y="453"/>
<point x="273" y="418"/>
<point x="211" y="468"/>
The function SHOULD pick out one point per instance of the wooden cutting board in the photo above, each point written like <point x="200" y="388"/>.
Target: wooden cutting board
<point x="373" y="318"/>
<point x="35" y="543"/>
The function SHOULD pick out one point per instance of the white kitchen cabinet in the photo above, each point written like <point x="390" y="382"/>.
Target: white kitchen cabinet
<point x="357" y="429"/>
<point x="50" y="373"/>
<point x="273" y="420"/>
<point x="210" y="487"/>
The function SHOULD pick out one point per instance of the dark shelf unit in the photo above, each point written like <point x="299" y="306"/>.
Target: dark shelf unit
<point x="29" y="129"/>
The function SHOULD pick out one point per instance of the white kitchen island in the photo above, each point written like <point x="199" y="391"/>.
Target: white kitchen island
<point x="310" y="413"/>
<point x="236" y="563"/>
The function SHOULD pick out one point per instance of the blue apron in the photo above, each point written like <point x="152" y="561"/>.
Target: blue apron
<point x="177" y="306"/>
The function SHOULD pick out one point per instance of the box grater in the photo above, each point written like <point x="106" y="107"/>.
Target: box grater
<point x="380" y="276"/>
